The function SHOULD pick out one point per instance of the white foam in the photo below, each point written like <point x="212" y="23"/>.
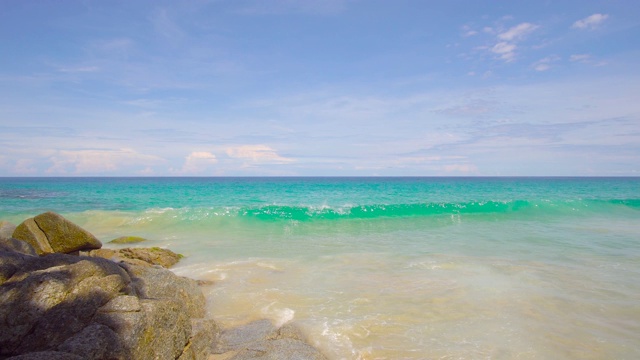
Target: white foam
<point x="279" y="316"/>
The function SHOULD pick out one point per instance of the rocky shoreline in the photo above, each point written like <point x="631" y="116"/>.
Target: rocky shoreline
<point x="62" y="296"/>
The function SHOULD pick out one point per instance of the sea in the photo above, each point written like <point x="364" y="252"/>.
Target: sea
<point x="388" y="268"/>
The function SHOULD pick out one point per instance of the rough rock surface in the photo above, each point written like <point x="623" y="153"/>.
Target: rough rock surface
<point x="61" y="306"/>
<point x="51" y="233"/>
<point x="6" y="230"/>
<point x="139" y="256"/>
<point x="11" y="244"/>
<point x="47" y="355"/>
<point x="262" y="340"/>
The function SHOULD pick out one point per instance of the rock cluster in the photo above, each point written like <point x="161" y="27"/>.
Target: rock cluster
<point x="68" y="307"/>
<point x="78" y="307"/>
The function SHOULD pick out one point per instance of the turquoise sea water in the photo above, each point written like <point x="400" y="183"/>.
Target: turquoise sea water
<point x="389" y="268"/>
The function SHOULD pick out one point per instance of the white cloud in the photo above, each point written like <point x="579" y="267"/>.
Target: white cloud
<point x="24" y="167"/>
<point x="545" y="64"/>
<point x="542" y="67"/>
<point x="198" y="161"/>
<point x="517" y="32"/>
<point x="257" y="154"/>
<point x="98" y="161"/>
<point x="317" y="7"/>
<point x="580" y="57"/>
<point x="460" y="168"/>
<point x="590" y="22"/>
<point x="505" y="50"/>
<point x="79" y="69"/>
<point x="468" y="31"/>
<point x="506" y="46"/>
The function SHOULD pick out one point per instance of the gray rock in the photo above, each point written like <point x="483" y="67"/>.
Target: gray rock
<point x="158" y="283"/>
<point x="280" y="349"/>
<point x="67" y="307"/>
<point x="262" y="340"/>
<point x="242" y="336"/>
<point x="50" y="232"/>
<point x="95" y="341"/>
<point x="139" y="256"/>
<point x="40" y="309"/>
<point x="10" y="263"/>
<point x="11" y="244"/>
<point x="161" y="330"/>
<point x="204" y="333"/>
<point x="122" y="303"/>
<point x="47" y="355"/>
<point x="6" y="229"/>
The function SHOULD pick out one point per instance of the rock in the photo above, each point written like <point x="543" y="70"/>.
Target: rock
<point x="245" y="335"/>
<point x="10" y="263"/>
<point x="158" y="283"/>
<point x="262" y="340"/>
<point x="65" y="307"/>
<point x="139" y="256"/>
<point x="50" y="232"/>
<point x="204" y="283"/>
<point x="161" y="330"/>
<point x="127" y="240"/>
<point x="30" y="232"/>
<point x="95" y="341"/>
<point x="19" y="246"/>
<point x="280" y="349"/>
<point x="204" y="332"/>
<point x="47" y="355"/>
<point x="6" y="229"/>
<point x="40" y="309"/>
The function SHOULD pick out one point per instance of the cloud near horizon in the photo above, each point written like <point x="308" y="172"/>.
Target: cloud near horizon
<point x="98" y="161"/>
<point x="198" y="161"/>
<point x="260" y="154"/>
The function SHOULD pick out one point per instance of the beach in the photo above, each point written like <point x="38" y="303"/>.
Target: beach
<point x="388" y="268"/>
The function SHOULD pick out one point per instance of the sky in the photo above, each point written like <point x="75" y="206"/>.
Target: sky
<point x="319" y="88"/>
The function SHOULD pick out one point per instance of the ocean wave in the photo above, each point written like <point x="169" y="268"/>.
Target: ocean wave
<point x="305" y="213"/>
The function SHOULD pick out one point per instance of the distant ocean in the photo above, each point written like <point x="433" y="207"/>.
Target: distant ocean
<point x="389" y="268"/>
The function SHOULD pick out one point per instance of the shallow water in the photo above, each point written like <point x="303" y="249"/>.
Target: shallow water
<point x="400" y="268"/>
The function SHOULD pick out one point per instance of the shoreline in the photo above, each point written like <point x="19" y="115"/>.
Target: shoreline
<point x="113" y="286"/>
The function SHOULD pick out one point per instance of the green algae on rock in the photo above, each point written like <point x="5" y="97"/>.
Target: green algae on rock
<point x="51" y="233"/>
<point x="127" y="240"/>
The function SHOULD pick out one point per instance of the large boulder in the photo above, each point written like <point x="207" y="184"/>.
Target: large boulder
<point x="52" y="233"/>
<point x="59" y="306"/>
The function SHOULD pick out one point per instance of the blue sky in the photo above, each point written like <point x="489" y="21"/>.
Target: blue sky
<point x="306" y="87"/>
